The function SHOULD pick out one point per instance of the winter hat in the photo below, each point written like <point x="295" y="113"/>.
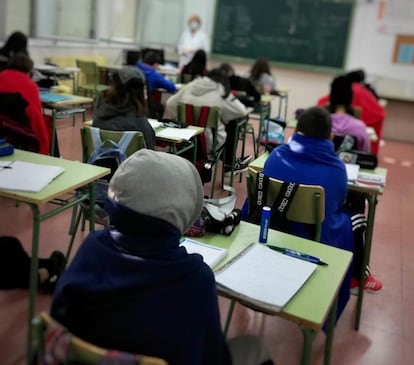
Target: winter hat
<point x="160" y="185"/>
<point x="129" y="74"/>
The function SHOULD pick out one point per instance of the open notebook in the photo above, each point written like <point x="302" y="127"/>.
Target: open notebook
<point x="27" y="176"/>
<point x="263" y="277"/>
<point x="211" y="255"/>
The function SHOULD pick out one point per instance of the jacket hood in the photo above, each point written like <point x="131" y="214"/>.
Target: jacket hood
<point x="145" y="254"/>
<point x="204" y="85"/>
<point x="311" y="149"/>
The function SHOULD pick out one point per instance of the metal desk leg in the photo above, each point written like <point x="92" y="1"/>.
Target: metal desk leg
<point x="53" y="139"/>
<point x="34" y="263"/>
<point x="308" y="337"/>
<point x="91" y="188"/>
<point x="330" y="331"/>
<point x="372" y="203"/>
<point x="229" y="316"/>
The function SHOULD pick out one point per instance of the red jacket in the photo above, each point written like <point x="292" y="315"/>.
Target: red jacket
<point x="372" y="113"/>
<point x="12" y="81"/>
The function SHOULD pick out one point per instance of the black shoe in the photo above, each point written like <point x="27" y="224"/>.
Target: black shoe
<point x="244" y="160"/>
<point x="238" y="169"/>
<point x="54" y="267"/>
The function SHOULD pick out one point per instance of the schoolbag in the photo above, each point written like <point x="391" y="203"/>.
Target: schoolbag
<point x="108" y="154"/>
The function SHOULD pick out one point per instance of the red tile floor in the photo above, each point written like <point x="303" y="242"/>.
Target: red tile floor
<point x="386" y="334"/>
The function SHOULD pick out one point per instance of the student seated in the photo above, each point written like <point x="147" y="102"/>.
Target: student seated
<point x="309" y="158"/>
<point x="16" y="79"/>
<point x="372" y="113"/>
<point x="241" y="87"/>
<point x="154" y="79"/>
<point x="261" y="76"/>
<point x="131" y="287"/>
<point x="343" y="120"/>
<point x="195" y="68"/>
<point x="213" y="91"/>
<point x="124" y="107"/>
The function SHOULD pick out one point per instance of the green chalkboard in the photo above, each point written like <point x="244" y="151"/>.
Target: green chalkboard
<point x="307" y="32"/>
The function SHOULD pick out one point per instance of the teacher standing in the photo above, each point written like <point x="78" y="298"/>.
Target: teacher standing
<point x="192" y="40"/>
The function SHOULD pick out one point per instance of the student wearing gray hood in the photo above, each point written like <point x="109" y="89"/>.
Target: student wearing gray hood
<point x="213" y="90"/>
<point x="124" y="107"/>
<point x="132" y="288"/>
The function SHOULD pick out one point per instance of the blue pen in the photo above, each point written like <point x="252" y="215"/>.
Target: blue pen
<point x="298" y="255"/>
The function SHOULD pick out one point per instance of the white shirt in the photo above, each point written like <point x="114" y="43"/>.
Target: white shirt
<point x="190" y="43"/>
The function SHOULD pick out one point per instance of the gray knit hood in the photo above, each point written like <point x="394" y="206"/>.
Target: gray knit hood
<point x="159" y="185"/>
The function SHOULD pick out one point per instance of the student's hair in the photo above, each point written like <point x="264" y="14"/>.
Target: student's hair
<point x="132" y="93"/>
<point x="356" y="75"/>
<point x="20" y="62"/>
<point x="341" y="94"/>
<point x="16" y="43"/>
<point x="217" y="75"/>
<point x="197" y="65"/>
<point x="151" y="58"/>
<point x="227" y="69"/>
<point x="315" y="122"/>
<point x="260" y="67"/>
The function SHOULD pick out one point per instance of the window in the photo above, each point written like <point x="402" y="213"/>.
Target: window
<point x="65" y="19"/>
<point x="123" y="20"/>
<point x="161" y="21"/>
<point x="17" y="16"/>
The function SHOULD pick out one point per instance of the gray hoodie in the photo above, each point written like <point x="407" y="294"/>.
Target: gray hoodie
<point x="205" y="92"/>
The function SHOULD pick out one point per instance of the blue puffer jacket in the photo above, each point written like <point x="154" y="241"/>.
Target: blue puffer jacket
<point x="154" y="79"/>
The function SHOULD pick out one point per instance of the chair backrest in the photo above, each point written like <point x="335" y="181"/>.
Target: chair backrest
<point x="88" y="148"/>
<point x="89" y="69"/>
<point x="201" y="116"/>
<point x="308" y="204"/>
<point x="19" y="135"/>
<point x="68" y="348"/>
<point x="186" y="78"/>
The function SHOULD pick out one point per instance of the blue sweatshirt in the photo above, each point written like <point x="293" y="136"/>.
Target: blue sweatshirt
<point x="134" y="289"/>
<point x="154" y="79"/>
<point x="313" y="161"/>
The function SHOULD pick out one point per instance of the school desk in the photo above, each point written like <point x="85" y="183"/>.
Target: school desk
<point x="316" y="301"/>
<point x="75" y="175"/>
<point x="371" y="194"/>
<point x="72" y="103"/>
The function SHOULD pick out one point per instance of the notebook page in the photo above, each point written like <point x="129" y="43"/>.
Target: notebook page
<point x="177" y="133"/>
<point x="266" y="276"/>
<point x="27" y="176"/>
<point x="211" y="255"/>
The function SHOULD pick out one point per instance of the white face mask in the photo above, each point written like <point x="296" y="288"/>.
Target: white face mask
<point x="194" y="25"/>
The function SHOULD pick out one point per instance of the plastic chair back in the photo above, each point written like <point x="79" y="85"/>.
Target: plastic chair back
<point x="90" y="71"/>
<point x="19" y="135"/>
<point x="136" y="143"/>
<point x="75" y="350"/>
<point x="308" y="204"/>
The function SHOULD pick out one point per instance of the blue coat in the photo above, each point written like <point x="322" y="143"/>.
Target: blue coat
<point x="154" y="79"/>
<point x="134" y="289"/>
<point x="313" y="161"/>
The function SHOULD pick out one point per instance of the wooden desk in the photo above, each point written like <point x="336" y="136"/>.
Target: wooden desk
<point x="76" y="175"/>
<point x="371" y="194"/>
<point x="174" y="143"/>
<point x="65" y="105"/>
<point x="58" y="73"/>
<point x="317" y="299"/>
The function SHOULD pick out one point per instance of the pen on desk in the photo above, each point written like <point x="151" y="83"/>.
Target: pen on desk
<point x="298" y="255"/>
<point x="8" y="166"/>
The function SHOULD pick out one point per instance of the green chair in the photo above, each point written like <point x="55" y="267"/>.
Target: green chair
<point x="137" y="142"/>
<point x="205" y="117"/>
<point x="69" y="349"/>
<point x="90" y="73"/>
<point x="307" y="206"/>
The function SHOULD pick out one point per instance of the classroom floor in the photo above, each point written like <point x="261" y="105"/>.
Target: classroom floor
<point x="386" y="333"/>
